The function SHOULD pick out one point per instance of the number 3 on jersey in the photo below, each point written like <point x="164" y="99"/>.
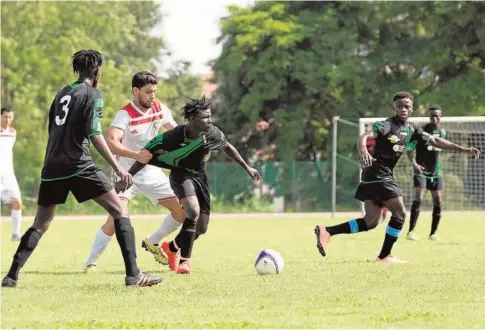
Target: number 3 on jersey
<point x="65" y="100"/>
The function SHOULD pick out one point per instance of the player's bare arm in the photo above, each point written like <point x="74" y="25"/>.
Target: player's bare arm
<point x="100" y="144"/>
<point x="135" y="168"/>
<point x="448" y="145"/>
<point x="170" y="124"/>
<point x="115" y="138"/>
<point x="366" y="158"/>
<point x="232" y="152"/>
<point x="412" y="159"/>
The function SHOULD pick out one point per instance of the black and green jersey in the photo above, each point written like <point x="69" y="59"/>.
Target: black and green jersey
<point x="427" y="155"/>
<point x="175" y="151"/>
<point x="74" y="116"/>
<point x="392" y="140"/>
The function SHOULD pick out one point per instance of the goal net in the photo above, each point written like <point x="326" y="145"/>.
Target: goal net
<point x="464" y="176"/>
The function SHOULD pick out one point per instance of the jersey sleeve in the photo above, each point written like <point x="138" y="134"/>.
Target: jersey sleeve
<point x="93" y="117"/>
<point x="443" y="134"/>
<point x="122" y="120"/>
<point x="381" y="128"/>
<point x="419" y="135"/>
<point x="216" y="140"/>
<point x="167" y="114"/>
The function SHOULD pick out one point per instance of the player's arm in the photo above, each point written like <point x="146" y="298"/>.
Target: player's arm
<point x="412" y="158"/>
<point x="366" y="158"/>
<point x="94" y="133"/>
<point x="115" y="138"/>
<point x="232" y="153"/>
<point x="448" y="145"/>
<point x="170" y="124"/>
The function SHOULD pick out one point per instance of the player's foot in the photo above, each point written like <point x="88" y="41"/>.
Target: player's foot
<point x="391" y="260"/>
<point x="435" y="238"/>
<point x="142" y="279"/>
<point x="90" y="269"/>
<point x="323" y="237"/>
<point x="173" y="257"/>
<point x="156" y="251"/>
<point x="184" y="267"/>
<point x="412" y="236"/>
<point x="8" y="282"/>
<point x="16" y="237"/>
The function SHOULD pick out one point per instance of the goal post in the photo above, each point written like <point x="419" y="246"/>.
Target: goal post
<point x="464" y="177"/>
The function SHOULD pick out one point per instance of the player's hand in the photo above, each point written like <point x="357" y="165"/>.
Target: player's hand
<point x="125" y="182"/>
<point x="475" y="152"/>
<point x="366" y="159"/>
<point x="418" y="167"/>
<point x="144" y="156"/>
<point x="253" y="173"/>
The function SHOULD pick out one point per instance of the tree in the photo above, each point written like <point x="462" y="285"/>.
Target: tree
<point x="38" y="39"/>
<point x="294" y="65"/>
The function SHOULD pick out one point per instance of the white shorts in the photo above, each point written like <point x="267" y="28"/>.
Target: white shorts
<point x="9" y="189"/>
<point x="155" y="186"/>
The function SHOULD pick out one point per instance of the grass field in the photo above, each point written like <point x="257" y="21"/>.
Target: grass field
<point x="442" y="287"/>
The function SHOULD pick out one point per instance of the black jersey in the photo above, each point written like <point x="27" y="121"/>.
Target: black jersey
<point x="427" y="155"/>
<point x="173" y="150"/>
<point x="74" y="116"/>
<point x="392" y="140"/>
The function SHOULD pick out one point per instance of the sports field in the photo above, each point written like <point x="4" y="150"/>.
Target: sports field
<point x="442" y="287"/>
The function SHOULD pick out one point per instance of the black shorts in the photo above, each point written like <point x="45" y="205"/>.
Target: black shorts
<point x="432" y="184"/>
<point x="187" y="184"/>
<point x="86" y="185"/>
<point x="378" y="192"/>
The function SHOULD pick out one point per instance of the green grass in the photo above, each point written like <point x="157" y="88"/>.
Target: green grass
<point x="442" y="287"/>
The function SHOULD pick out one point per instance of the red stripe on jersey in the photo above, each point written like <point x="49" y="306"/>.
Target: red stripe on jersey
<point x="131" y="111"/>
<point x="140" y="121"/>
<point x="156" y="107"/>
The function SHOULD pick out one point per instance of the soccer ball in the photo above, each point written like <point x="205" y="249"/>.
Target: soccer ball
<point x="269" y="262"/>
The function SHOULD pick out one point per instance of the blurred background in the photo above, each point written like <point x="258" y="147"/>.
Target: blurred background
<point x="278" y="72"/>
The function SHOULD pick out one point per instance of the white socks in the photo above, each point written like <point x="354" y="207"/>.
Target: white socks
<point x="168" y="226"/>
<point x="99" y="245"/>
<point x="16" y="221"/>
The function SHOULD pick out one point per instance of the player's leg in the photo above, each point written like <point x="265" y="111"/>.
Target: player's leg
<point x="11" y="194"/>
<point x="368" y="222"/>
<point x="396" y="222"/>
<point x="50" y="194"/>
<point x="419" y="185"/>
<point x="93" y="184"/>
<point x="102" y="239"/>
<point x="157" y="188"/>
<point x="204" y="197"/>
<point x="384" y="215"/>
<point x="16" y="218"/>
<point x="435" y="189"/>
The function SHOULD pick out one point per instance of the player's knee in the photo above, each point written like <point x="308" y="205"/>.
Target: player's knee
<point x="192" y="213"/>
<point x="418" y="197"/>
<point x="400" y="214"/>
<point x="16" y="204"/>
<point x="436" y="201"/>
<point x="371" y="222"/>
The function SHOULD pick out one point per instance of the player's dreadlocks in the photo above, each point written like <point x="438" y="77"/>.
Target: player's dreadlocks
<point x="194" y="106"/>
<point x="86" y="62"/>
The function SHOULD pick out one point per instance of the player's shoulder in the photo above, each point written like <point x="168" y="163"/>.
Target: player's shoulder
<point x="160" y="107"/>
<point x="216" y="131"/>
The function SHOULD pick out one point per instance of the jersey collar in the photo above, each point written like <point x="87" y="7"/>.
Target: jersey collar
<point x="139" y="110"/>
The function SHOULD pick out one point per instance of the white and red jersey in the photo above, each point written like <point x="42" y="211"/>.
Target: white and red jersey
<point x="7" y="141"/>
<point x="140" y="127"/>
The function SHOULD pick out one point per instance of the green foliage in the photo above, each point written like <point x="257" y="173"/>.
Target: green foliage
<point x="38" y="39"/>
<point x="297" y="64"/>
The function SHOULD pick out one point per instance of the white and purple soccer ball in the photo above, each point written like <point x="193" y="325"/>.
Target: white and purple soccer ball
<point x="269" y="262"/>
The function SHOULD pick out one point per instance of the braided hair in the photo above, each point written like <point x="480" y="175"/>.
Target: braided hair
<point x="195" y="106"/>
<point x="87" y="62"/>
